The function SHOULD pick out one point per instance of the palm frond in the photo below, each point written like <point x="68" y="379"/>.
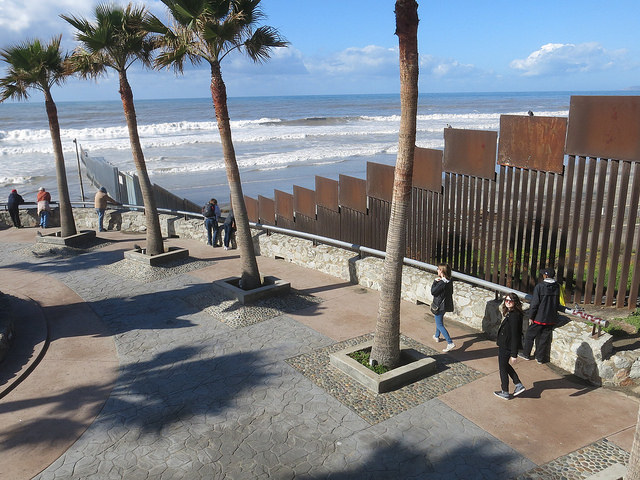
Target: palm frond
<point x="260" y="44"/>
<point x="32" y="64"/>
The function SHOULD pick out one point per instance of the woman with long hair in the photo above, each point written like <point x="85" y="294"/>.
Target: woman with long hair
<point x="509" y="341"/>
<point x="442" y="291"/>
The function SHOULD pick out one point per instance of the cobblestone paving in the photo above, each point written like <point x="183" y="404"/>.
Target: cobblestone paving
<point x="197" y="398"/>
<point x="581" y="463"/>
<point x="147" y="273"/>
<point x="237" y="315"/>
<point x="374" y="407"/>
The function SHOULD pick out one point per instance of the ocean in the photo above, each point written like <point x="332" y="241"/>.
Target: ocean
<point x="279" y="141"/>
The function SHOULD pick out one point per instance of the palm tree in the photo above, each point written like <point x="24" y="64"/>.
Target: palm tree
<point x="33" y="64"/>
<point x="209" y="30"/>
<point x="386" y="344"/>
<point x="633" y="467"/>
<point x="117" y="39"/>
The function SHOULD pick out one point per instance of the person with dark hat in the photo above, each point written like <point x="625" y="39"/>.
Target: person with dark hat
<point x="13" y="203"/>
<point x="543" y="316"/>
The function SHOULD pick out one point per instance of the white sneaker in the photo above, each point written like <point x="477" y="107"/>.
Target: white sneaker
<point x="437" y="339"/>
<point x="226" y="248"/>
<point x="450" y="346"/>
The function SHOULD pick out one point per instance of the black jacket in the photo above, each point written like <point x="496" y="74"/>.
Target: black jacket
<point x="545" y="302"/>
<point x="14" y="200"/>
<point x="510" y="333"/>
<point x="443" y="290"/>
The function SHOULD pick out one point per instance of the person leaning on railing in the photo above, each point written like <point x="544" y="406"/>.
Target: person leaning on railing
<point x="100" y="203"/>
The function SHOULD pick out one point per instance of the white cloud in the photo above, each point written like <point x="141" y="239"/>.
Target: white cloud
<point x="369" y="60"/>
<point x="438" y="67"/>
<point x="38" y="17"/>
<point x="559" y="58"/>
<point x="283" y="61"/>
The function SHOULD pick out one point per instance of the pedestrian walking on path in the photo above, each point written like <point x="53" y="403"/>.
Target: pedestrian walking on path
<point x="442" y="291"/>
<point x="543" y="316"/>
<point x="509" y="341"/>
<point x="13" y="204"/>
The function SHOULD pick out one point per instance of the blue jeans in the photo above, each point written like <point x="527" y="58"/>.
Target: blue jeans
<point x="228" y="231"/>
<point x="44" y="218"/>
<point x="211" y="225"/>
<point x="100" y="212"/>
<point x="440" y="328"/>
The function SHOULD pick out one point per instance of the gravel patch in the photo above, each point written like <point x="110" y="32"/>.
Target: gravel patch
<point x="48" y="250"/>
<point x="372" y="407"/>
<point x="146" y="274"/>
<point x="237" y="315"/>
<point x="580" y="464"/>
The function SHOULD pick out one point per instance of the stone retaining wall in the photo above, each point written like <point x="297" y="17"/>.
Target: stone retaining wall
<point x="573" y="349"/>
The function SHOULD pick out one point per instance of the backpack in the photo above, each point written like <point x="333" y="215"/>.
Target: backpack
<point x="208" y="211"/>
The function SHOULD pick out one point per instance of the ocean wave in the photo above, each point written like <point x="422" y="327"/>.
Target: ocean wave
<point x="10" y="181"/>
<point x="171" y="134"/>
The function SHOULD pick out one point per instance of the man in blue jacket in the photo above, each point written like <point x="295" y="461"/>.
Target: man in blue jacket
<point x="14" y="201"/>
<point x="543" y="316"/>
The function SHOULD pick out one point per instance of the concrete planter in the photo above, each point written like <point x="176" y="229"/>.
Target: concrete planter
<point x="172" y="254"/>
<point x="418" y="367"/>
<point x="271" y="286"/>
<point x="76" y="240"/>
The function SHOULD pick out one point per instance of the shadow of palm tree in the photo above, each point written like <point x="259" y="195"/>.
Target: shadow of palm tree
<point x="400" y="460"/>
<point x="149" y="395"/>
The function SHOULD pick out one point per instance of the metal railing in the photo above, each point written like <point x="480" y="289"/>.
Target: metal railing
<point x="596" y="321"/>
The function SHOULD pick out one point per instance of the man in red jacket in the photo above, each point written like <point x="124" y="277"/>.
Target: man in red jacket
<point x="43" y="200"/>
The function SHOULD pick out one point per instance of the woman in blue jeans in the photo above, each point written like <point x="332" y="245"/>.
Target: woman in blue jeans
<point x="442" y="291"/>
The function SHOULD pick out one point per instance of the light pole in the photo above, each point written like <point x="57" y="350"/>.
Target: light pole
<point x="79" y="172"/>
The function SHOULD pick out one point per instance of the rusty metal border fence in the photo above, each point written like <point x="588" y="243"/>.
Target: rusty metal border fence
<point x="554" y="192"/>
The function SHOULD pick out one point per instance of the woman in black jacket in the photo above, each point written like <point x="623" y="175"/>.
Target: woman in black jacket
<point x="509" y="341"/>
<point x="442" y="291"/>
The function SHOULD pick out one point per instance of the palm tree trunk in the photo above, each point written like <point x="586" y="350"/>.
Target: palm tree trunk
<point x="633" y="468"/>
<point x="250" y="277"/>
<point x="386" y="344"/>
<point x="154" y="233"/>
<point x="67" y="223"/>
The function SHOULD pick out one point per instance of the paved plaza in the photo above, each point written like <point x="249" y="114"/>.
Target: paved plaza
<point x="127" y="372"/>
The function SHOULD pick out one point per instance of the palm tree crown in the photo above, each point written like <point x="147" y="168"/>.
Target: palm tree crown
<point x="116" y="39"/>
<point x="32" y="64"/>
<point x="211" y="29"/>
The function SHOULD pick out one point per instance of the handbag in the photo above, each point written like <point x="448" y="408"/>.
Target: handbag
<point x="435" y="307"/>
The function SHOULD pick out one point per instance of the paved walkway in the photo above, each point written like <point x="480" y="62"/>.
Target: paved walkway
<point x="154" y="376"/>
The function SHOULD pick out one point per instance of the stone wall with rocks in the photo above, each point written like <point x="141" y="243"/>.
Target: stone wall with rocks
<point x="573" y="349"/>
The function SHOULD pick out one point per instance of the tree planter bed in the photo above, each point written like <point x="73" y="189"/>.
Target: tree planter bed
<point x="417" y="367"/>
<point x="270" y="286"/>
<point x="76" y="240"/>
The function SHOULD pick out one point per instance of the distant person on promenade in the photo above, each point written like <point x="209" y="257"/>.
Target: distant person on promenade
<point x="543" y="316"/>
<point x="229" y="227"/>
<point x="43" y="199"/>
<point x="13" y="203"/>
<point x="100" y="203"/>
<point x="442" y="291"/>
<point x="211" y="213"/>
<point x="509" y="341"/>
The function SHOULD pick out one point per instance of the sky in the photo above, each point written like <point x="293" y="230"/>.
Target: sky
<point x="349" y="46"/>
